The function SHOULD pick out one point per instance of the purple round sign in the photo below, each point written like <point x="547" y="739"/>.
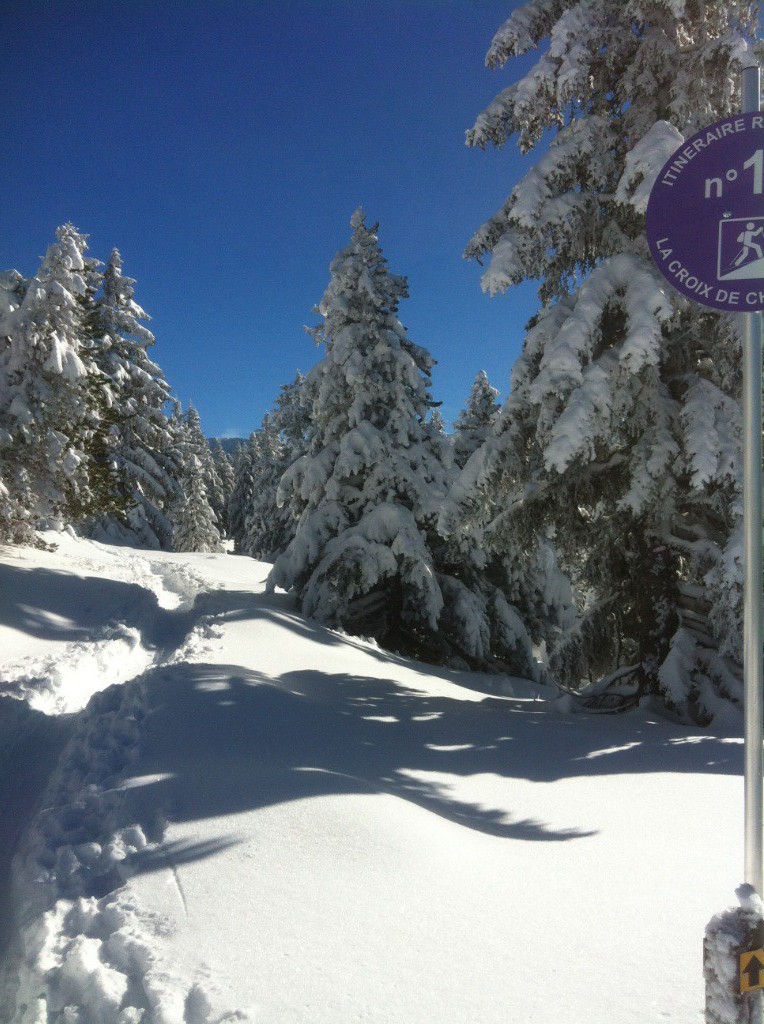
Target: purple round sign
<point x="705" y="217"/>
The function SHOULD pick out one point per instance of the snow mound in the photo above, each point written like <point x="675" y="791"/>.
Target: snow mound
<point x="65" y="682"/>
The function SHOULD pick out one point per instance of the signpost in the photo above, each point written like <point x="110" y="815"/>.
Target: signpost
<point x="705" y="218"/>
<point x="705" y="230"/>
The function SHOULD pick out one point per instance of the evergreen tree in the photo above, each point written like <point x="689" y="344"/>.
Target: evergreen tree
<point x="365" y="555"/>
<point x="16" y="503"/>
<point x="196" y="443"/>
<point x="83" y="434"/>
<point x="240" y="501"/>
<point x="620" y="437"/>
<point x="91" y="435"/>
<point x="224" y="469"/>
<point x="368" y="489"/>
<point x="292" y="417"/>
<point x="283" y="438"/>
<point x="473" y="424"/>
<point x="268" y="527"/>
<point x="136" y="440"/>
<point x="44" y="370"/>
<point x="436" y="421"/>
<point x="193" y="520"/>
<point x="192" y="449"/>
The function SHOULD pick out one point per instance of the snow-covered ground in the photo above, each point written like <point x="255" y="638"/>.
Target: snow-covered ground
<point x="221" y="811"/>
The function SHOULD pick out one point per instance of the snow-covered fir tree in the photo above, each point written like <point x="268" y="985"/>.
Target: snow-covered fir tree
<point x="366" y="555"/>
<point x="44" y="369"/>
<point x="283" y="438"/>
<point x="292" y="416"/>
<point x="369" y="488"/>
<point x="240" y="501"/>
<point x="224" y="469"/>
<point x="191" y="513"/>
<point x="138" y="440"/>
<point x="193" y="445"/>
<point x="620" y="438"/>
<point x="472" y="426"/>
<point x="193" y="520"/>
<point x="104" y="494"/>
<point x="436" y="421"/>
<point x="268" y="527"/>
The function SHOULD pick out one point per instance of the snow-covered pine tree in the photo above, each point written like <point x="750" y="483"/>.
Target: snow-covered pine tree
<point x="369" y="488"/>
<point x="197" y="443"/>
<point x="292" y="417"/>
<point x="268" y="527"/>
<point x="104" y="494"/>
<point x="137" y="441"/>
<point x="16" y="502"/>
<point x="224" y="468"/>
<point x="473" y="424"/>
<point x="195" y="461"/>
<point x="283" y="438"/>
<point x="193" y="521"/>
<point x="621" y="433"/>
<point x="436" y="421"/>
<point x="366" y="556"/>
<point x="240" y="502"/>
<point x="44" y="371"/>
<point x="192" y="444"/>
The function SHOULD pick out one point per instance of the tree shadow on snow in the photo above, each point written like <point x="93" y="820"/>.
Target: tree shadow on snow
<point x="30" y="745"/>
<point x="224" y="740"/>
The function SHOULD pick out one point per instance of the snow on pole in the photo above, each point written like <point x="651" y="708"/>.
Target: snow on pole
<point x="730" y="977"/>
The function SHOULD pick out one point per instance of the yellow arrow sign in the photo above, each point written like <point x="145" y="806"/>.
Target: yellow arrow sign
<point x="751" y="970"/>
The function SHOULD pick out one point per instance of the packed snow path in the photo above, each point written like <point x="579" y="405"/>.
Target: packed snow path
<point x="267" y="821"/>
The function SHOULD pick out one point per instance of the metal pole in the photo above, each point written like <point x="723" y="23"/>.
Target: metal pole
<point x="752" y="529"/>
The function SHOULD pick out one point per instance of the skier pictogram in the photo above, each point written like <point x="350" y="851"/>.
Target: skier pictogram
<point x="741" y="249"/>
<point x="747" y="238"/>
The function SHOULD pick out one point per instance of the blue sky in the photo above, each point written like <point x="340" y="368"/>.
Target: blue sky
<point x="223" y="146"/>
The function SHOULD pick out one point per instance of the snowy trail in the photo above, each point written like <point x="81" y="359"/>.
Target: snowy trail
<point x="100" y="625"/>
<point x="276" y="823"/>
<point x="75" y="622"/>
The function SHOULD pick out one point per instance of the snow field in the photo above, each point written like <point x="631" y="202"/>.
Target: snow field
<point x="277" y="823"/>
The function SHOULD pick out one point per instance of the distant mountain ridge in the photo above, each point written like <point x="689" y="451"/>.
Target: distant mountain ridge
<point x="230" y="445"/>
